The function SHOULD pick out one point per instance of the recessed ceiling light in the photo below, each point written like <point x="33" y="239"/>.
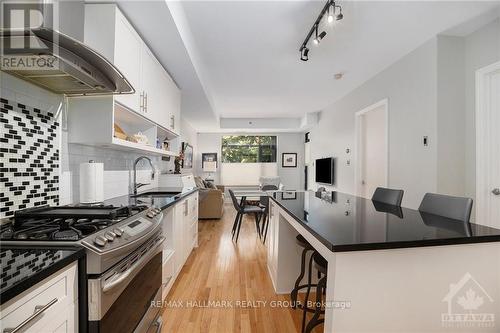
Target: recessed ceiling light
<point x="338" y="76"/>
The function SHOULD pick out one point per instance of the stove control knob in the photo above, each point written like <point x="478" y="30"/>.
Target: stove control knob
<point x="118" y="232"/>
<point x="110" y="236"/>
<point x="100" y="241"/>
<point x="150" y="215"/>
<point x="157" y="210"/>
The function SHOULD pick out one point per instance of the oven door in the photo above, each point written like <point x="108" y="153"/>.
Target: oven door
<point x="122" y="299"/>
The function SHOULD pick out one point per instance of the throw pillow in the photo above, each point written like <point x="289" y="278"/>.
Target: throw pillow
<point x="199" y="182"/>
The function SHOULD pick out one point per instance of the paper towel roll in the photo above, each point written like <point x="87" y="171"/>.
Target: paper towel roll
<point x="91" y="182"/>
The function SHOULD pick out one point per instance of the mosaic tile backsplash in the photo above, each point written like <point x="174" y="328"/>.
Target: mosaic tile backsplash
<point x="29" y="157"/>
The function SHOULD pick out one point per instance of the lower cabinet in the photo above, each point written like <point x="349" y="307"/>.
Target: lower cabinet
<point x="272" y="240"/>
<point x="180" y="227"/>
<point x="49" y="306"/>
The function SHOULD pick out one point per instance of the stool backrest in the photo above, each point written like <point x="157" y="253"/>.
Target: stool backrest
<point x="388" y="196"/>
<point x="457" y="208"/>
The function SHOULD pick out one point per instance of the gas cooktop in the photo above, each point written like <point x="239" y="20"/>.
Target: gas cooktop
<point x="65" y="223"/>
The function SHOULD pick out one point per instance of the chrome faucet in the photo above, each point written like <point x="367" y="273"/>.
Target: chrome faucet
<point x="136" y="185"/>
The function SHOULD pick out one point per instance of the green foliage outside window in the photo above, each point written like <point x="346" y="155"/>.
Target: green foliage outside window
<point x="248" y="149"/>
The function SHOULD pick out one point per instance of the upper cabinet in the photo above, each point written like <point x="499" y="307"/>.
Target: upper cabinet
<point x="156" y="96"/>
<point x="127" y="57"/>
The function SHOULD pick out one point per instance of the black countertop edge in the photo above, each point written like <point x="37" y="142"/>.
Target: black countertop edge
<point x="22" y="286"/>
<point x="160" y="202"/>
<point x="179" y="197"/>
<point x="390" y="245"/>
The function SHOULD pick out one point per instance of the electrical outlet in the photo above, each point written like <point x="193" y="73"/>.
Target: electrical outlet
<point x="426" y="141"/>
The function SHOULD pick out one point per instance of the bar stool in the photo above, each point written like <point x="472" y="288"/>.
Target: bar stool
<point x="302" y="242"/>
<point x="321" y="265"/>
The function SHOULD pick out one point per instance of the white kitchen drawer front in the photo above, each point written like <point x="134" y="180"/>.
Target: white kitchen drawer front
<point x="50" y="299"/>
<point x="168" y="273"/>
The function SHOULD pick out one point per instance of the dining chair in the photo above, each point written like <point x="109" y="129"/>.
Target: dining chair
<point x="264" y="203"/>
<point x="456" y="208"/>
<point x="242" y="209"/>
<point x="388" y="196"/>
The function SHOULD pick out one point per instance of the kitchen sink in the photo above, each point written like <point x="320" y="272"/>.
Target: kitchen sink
<point x="156" y="194"/>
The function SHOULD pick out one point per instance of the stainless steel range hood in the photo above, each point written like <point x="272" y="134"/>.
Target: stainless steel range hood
<point x="77" y="70"/>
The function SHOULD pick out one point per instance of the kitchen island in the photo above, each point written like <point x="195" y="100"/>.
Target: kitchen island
<point x="390" y="269"/>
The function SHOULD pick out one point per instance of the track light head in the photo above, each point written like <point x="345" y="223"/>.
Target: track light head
<point x="316" y="40"/>
<point x="331" y="13"/>
<point x="339" y="16"/>
<point x="304" y="54"/>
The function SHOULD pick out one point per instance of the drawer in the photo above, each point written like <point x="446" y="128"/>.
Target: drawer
<point x="194" y="232"/>
<point x="55" y="294"/>
<point x="167" y="270"/>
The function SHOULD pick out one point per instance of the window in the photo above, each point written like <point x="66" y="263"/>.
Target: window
<point x="248" y="149"/>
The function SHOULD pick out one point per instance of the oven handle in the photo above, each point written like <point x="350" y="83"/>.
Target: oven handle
<point x="120" y="278"/>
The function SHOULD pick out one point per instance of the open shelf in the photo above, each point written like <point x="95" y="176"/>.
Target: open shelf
<point x="127" y="145"/>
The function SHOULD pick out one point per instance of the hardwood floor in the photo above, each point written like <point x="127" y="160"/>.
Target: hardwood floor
<point x="220" y="270"/>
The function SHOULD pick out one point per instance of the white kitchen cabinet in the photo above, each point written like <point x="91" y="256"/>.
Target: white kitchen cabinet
<point x="180" y="228"/>
<point x="55" y="299"/>
<point x="271" y="240"/>
<point x="127" y="57"/>
<point x="185" y="229"/>
<point x="156" y="96"/>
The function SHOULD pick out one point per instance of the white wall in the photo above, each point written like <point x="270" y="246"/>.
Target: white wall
<point x="410" y="87"/>
<point x="431" y="93"/>
<point x="451" y="115"/>
<point x="292" y="178"/>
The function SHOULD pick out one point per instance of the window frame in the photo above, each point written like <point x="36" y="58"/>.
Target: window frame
<point x="273" y="146"/>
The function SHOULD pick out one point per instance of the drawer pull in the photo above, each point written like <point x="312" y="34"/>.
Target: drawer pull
<point x="39" y="309"/>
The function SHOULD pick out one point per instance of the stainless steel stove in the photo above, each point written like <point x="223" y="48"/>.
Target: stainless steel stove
<point x="124" y="253"/>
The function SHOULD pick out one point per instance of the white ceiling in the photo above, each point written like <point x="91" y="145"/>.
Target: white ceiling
<point x="240" y="58"/>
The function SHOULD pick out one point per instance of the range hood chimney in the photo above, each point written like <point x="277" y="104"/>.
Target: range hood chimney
<point x="42" y="43"/>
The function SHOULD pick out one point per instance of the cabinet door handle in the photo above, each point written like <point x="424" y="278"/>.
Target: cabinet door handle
<point x="146" y="102"/>
<point x="141" y="102"/>
<point x="172" y="122"/>
<point x="39" y="309"/>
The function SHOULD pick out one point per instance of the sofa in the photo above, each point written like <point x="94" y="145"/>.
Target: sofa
<point x="211" y="199"/>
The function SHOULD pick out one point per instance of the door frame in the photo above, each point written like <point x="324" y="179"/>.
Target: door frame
<point x="359" y="145"/>
<point x="483" y="111"/>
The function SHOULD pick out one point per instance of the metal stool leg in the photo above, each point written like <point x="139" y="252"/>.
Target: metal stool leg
<point x="296" y="288"/>
<point x="319" y="300"/>
<point x="306" y="300"/>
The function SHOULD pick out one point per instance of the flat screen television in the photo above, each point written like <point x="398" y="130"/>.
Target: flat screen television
<point x="324" y="171"/>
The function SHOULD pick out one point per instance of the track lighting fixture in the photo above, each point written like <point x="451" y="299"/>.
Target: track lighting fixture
<point x="334" y="13"/>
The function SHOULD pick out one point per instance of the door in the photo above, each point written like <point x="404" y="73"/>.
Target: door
<point x="487" y="147"/>
<point x="371" y="127"/>
<point x="128" y="47"/>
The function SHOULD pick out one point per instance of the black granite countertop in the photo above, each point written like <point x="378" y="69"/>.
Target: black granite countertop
<point x="24" y="266"/>
<point x="162" y="202"/>
<point x="349" y="223"/>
